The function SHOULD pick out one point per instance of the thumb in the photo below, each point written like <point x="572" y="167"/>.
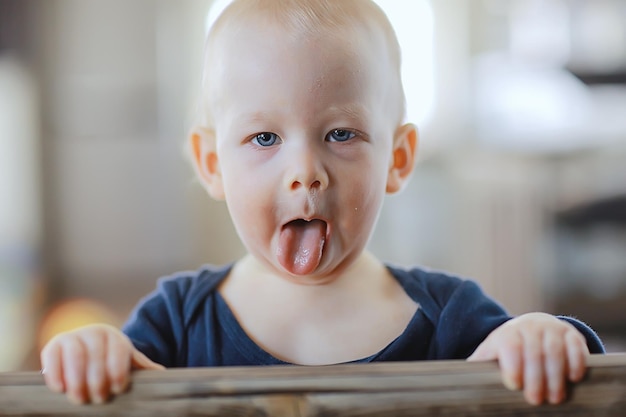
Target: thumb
<point x="140" y="361"/>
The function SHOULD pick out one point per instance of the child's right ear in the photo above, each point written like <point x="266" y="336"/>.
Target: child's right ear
<point x="204" y="156"/>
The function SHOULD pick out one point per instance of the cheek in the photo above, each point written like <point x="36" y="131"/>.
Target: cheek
<point x="249" y="199"/>
<point x="371" y="179"/>
<point x="245" y="198"/>
<point x="363" y="199"/>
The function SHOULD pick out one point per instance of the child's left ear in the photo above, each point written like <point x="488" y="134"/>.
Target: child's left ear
<point x="403" y="157"/>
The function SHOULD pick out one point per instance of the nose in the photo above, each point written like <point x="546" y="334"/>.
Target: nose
<point x="306" y="169"/>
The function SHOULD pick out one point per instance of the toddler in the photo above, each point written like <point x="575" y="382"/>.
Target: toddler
<point x="302" y="134"/>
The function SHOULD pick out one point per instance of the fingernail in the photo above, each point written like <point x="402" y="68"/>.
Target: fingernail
<point x="555" y="398"/>
<point x="97" y="399"/>
<point x="510" y="384"/>
<point x="76" y="400"/>
<point x="576" y="376"/>
<point x="55" y="386"/>
<point x="118" y="388"/>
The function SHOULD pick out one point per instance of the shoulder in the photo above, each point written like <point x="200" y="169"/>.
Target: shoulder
<point x="158" y="324"/>
<point x="462" y="315"/>
<point x="188" y="284"/>
<point x="447" y="298"/>
<point x="440" y="286"/>
<point x="187" y="290"/>
<point x="177" y="297"/>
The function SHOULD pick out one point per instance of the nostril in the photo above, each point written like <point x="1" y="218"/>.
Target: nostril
<point x="314" y="185"/>
<point x="295" y="185"/>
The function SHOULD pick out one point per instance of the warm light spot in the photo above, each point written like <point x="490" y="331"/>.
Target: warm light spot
<point x="71" y="314"/>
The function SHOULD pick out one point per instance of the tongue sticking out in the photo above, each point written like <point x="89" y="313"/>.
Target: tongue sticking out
<point x="300" y="246"/>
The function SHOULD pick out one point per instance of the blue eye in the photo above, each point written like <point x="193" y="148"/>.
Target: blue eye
<point x="340" y="135"/>
<point x="265" y="139"/>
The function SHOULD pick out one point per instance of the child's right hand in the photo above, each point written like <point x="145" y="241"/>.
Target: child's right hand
<point x="91" y="363"/>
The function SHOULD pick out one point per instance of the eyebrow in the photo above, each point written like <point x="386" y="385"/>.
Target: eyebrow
<point x="353" y="111"/>
<point x="257" y="116"/>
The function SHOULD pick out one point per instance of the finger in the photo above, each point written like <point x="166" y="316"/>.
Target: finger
<point x="97" y="380"/>
<point x="534" y="378"/>
<point x="141" y="361"/>
<point x="74" y="362"/>
<point x="577" y="354"/>
<point x="555" y="366"/>
<point x="118" y="363"/>
<point x="511" y="362"/>
<point x="52" y="366"/>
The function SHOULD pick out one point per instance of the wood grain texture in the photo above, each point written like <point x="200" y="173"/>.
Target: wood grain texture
<point x="402" y="389"/>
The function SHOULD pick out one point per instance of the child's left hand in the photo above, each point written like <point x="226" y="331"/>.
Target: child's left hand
<point x="536" y="352"/>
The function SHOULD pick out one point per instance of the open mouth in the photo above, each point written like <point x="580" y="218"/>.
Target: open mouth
<point x="302" y="223"/>
<point x="301" y="245"/>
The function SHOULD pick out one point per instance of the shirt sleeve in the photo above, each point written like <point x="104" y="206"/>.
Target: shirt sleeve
<point x="468" y="316"/>
<point x="466" y="319"/>
<point x="594" y="343"/>
<point x="155" y="326"/>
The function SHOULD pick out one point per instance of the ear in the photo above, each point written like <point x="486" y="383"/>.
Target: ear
<point x="204" y="156"/>
<point x="403" y="157"/>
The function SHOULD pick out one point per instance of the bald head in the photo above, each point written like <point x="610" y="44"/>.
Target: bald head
<point x="306" y="21"/>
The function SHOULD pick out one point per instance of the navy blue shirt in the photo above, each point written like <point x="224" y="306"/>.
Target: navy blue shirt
<point x="185" y="322"/>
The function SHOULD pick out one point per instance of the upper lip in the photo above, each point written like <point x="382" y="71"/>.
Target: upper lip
<point x="307" y="219"/>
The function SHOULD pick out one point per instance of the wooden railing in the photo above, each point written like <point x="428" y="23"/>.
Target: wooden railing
<point x="442" y="388"/>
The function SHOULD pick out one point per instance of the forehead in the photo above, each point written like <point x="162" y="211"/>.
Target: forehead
<point x="256" y="56"/>
<point x="267" y="39"/>
<point x="255" y="47"/>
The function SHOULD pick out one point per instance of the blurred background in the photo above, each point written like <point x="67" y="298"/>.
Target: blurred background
<point x="520" y="183"/>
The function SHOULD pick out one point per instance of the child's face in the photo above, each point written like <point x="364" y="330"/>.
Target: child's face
<point x="303" y="145"/>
